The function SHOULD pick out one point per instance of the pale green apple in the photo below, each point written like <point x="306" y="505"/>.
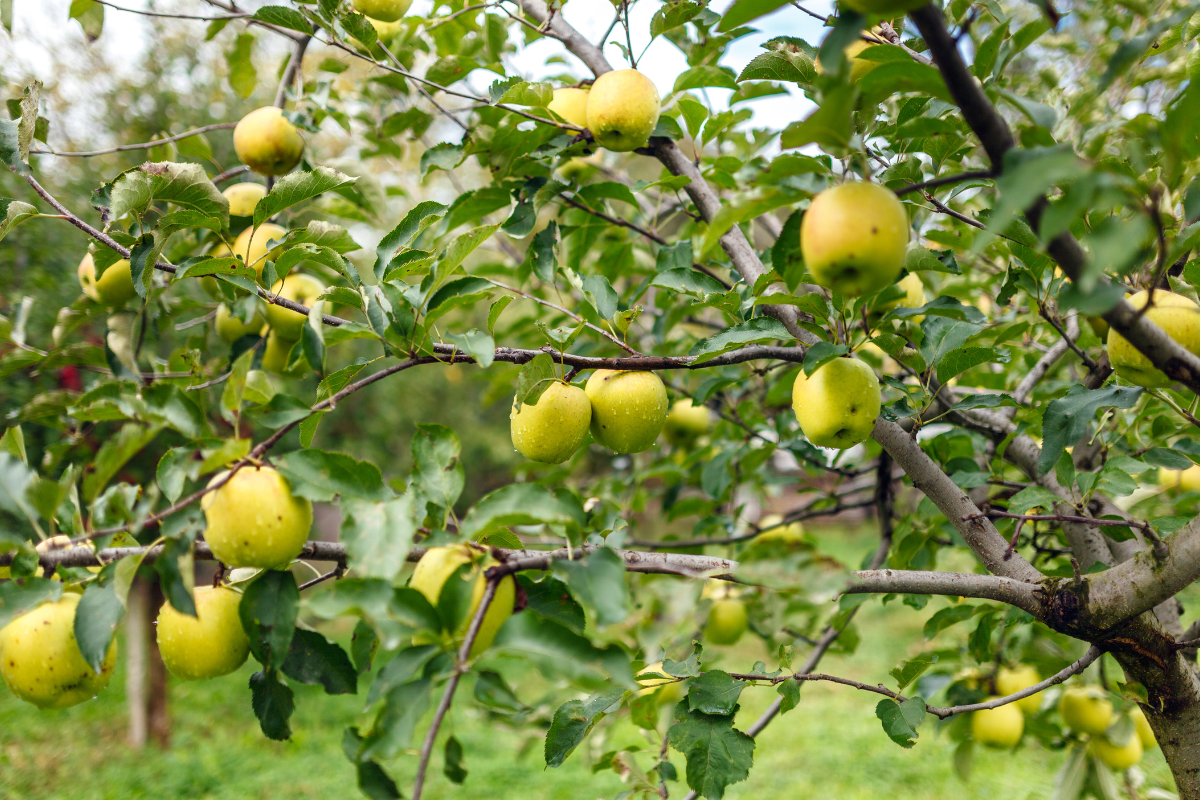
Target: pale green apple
<point x="243" y="197"/>
<point x="301" y="288"/>
<point x="686" y="423"/>
<point x="854" y="238"/>
<point x="267" y="142"/>
<point x="837" y="405"/>
<point x="1144" y="731"/>
<point x="436" y="567"/>
<point x="208" y="645"/>
<point x="382" y="10"/>
<point x="572" y="105"/>
<point x="1116" y="757"/>
<point x="1179" y="318"/>
<point x="1012" y="680"/>
<point x="230" y="328"/>
<point x="554" y="427"/>
<point x="115" y="287"/>
<point x="275" y="356"/>
<point x="251" y="245"/>
<point x="998" y="727"/>
<point x="254" y="520"/>
<point x="628" y="409"/>
<point x="727" y="621"/>
<point x="1086" y="709"/>
<point x="622" y="110"/>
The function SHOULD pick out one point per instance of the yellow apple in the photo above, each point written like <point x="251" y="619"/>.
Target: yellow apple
<point x="382" y="10"/>
<point x="1099" y="327"/>
<point x="552" y="429"/>
<point x="251" y="245"/>
<point x="622" y="110"/>
<point x="837" y="405"/>
<point x="628" y="409"/>
<point x="686" y="422"/>
<point x="254" y="520"/>
<point x="208" y="645"/>
<point x="275" y="354"/>
<point x="1188" y="479"/>
<point x="858" y="66"/>
<point x="436" y="567"/>
<point x="115" y="287"/>
<point x="1086" y="709"/>
<point x="1118" y="758"/>
<point x="301" y="288"/>
<point x="571" y="105"/>
<point x="854" y="238"/>
<point x="386" y="31"/>
<point x="1179" y="318"/>
<point x="40" y="660"/>
<point x="914" y="297"/>
<point x="1144" y="732"/>
<point x="267" y="143"/>
<point x="726" y="621"/>
<point x="773" y="530"/>
<point x="243" y="197"/>
<point x="1011" y="681"/>
<point x="672" y="688"/>
<point x="998" y="727"/>
<point x="230" y="328"/>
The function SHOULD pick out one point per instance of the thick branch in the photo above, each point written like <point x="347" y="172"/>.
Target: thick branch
<point x="1026" y="596"/>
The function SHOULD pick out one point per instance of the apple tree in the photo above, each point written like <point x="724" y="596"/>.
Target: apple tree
<point x="955" y="290"/>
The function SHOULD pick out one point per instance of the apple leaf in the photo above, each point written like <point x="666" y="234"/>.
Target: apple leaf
<point x="273" y="704"/>
<point x="268" y="613"/>
<point x="296" y="187"/>
<point x="743" y="11"/>
<point x="314" y="660"/>
<point x="714" y="692"/>
<point x="96" y="619"/>
<point x="517" y="504"/>
<point x="320" y="476"/>
<point x="759" y="330"/>
<point x="599" y="582"/>
<point x="19" y="598"/>
<point x="718" y="755"/>
<point x="821" y="354"/>
<point x="901" y="720"/>
<point x="573" y="721"/>
<point x="534" y="378"/>
<point x="15" y="212"/>
<point x="393" y="729"/>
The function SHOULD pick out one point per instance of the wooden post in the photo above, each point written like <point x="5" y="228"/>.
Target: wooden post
<point x="159" y="721"/>
<point x="136" y="643"/>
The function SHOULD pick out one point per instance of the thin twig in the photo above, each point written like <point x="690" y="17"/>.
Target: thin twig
<point x="140" y="12"/>
<point x="945" y="181"/>
<point x="216" y="126"/>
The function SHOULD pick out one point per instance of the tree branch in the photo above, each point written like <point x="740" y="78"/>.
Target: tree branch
<point x="140" y="146"/>
<point x="291" y="70"/>
<point x="944" y="181"/>
<point x="1026" y="596"/>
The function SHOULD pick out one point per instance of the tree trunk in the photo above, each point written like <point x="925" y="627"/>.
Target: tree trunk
<point x="159" y="721"/>
<point x="137" y="632"/>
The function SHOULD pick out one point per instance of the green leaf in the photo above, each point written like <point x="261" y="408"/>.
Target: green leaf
<point x="524" y="93"/>
<point x="394" y="725"/>
<point x="492" y="691"/>
<point x="321" y="476"/>
<point x="599" y="582"/>
<point x="899" y="77"/>
<point x="703" y="76"/>
<point x="760" y="330"/>
<point x="268" y="613"/>
<point x="418" y="219"/>
<point x="184" y="185"/>
<point x="573" y="721"/>
<point x="243" y="77"/>
<point x="540" y="255"/>
<point x="115" y="453"/>
<point x="1032" y="497"/>
<point x="942" y="335"/>
<point x="829" y="126"/>
<point x="983" y="401"/>
<point x="821" y="354"/>
<point x="17" y="598"/>
<point x="948" y="617"/>
<point x="272" y="703"/>
<point x="688" y="281"/>
<point x="408" y="664"/>
<point x="445" y="156"/>
<point x="176" y="576"/>
<point x="534" y="378"/>
<point x="1066" y="419"/>
<point x="556" y="651"/>
<point x="463" y="246"/>
<point x="672" y="14"/>
<point x="901" y="720"/>
<point x="517" y="504"/>
<point x="284" y="17"/>
<point x="296" y="187"/>
<point x="452" y="762"/>
<point x="717" y="754"/>
<point x="437" y="471"/>
<point x="959" y="361"/>
<point x="912" y="669"/>
<point x="550" y="598"/>
<point x="780" y="65"/>
<point x="479" y="346"/>
<point x="449" y="69"/>
<point x="378" y="535"/>
<point x="15" y="212"/>
<point x="714" y="692"/>
<point x="743" y="11"/>
<point x="789" y="696"/>
<point x="314" y="660"/>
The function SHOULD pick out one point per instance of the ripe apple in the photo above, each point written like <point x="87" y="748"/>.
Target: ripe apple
<point x="267" y="143"/>
<point x="1187" y="480"/>
<point x="628" y="409"/>
<point x="1118" y="758"/>
<point x="303" y="289"/>
<point x="436" y="567"/>
<point x="837" y="405"/>
<point x="726" y="621"/>
<point x="1144" y="731"/>
<point x="622" y="110"/>
<point x="230" y="328"/>
<point x="552" y="429"/>
<point x="382" y="10"/>
<point x="571" y="105"/>
<point x="208" y="645"/>
<point x="998" y="727"/>
<point x="275" y="355"/>
<point x="854" y="238"/>
<point x="914" y="297"/>
<point x="254" y="520"/>
<point x="1099" y="327"/>
<point x="1011" y="681"/>
<point x="251" y="245"/>
<point x="685" y="423"/>
<point x="386" y="31"/>
<point x="115" y="287"/>
<point x="40" y="660"/>
<point x="579" y="168"/>
<point x="243" y="197"/>
<point x="1086" y="709"/>
<point x="1179" y="318"/>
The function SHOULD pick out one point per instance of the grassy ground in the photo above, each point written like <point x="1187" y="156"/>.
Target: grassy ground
<point x="830" y="747"/>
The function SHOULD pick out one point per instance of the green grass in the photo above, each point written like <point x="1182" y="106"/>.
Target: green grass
<point x="831" y="747"/>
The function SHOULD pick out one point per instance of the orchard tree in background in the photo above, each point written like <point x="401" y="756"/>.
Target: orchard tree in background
<point x="989" y="210"/>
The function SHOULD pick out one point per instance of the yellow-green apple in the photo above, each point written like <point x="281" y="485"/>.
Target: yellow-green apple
<point x="914" y="297"/>
<point x="436" y="567"/>
<point x="628" y="409"/>
<point x="254" y="520"/>
<point x="267" y="143"/>
<point x="726" y="621"/>
<point x="774" y="530"/>
<point x="858" y="66"/>
<point x="622" y="110"/>
<point x="998" y="727"/>
<point x="1086" y="709"/>
<point x="251" y="245"/>
<point x="301" y="288"/>
<point x="115" y="287"/>
<point x="1144" y="731"/>
<point x="382" y="10"/>
<point x="1116" y="757"/>
<point x="1188" y="479"/>
<point x="40" y="659"/>
<point x="230" y="328"/>
<point x="1179" y="318"/>
<point x="854" y="238"/>
<point x="552" y="429"/>
<point x="1012" y="680"/>
<point x="685" y="423"/>
<point x="243" y="197"/>
<point x="571" y="105"/>
<point x="672" y="689"/>
<point x="837" y="405"/>
<point x="1099" y="327"/>
<point x="275" y="355"/>
<point x="208" y="645"/>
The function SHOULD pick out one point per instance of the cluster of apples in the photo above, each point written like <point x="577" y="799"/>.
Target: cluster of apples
<point x="620" y="108"/>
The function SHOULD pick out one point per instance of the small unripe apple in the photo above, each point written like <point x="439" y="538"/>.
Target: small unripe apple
<point x="254" y="520"/>
<point x="837" y="405"/>
<point x="551" y="430"/>
<point x="301" y="288"/>
<point x="1010" y="681"/>
<point x="1144" y="731"/>
<point x="382" y="10"/>
<point x="1179" y="318"/>
<point x="1086" y="709"/>
<point x="267" y="143"/>
<point x="998" y="727"/>
<point x="854" y="238"/>
<point x="208" y="645"/>
<point x="1188" y="480"/>
<point x="251" y="245"/>
<point x="115" y="287"/>
<point x="436" y="567"/>
<point x="628" y="409"/>
<point x="1118" y="758"/>
<point x="622" y="110"/>
<point x="275" y="355"/>
<point x="727" y="622"/>
<point x="230" y="328"/>
<point x="243" y="197"/>
<point x="40" y="660"/>
<point x="685" y="422"/>
<point x="571" y="105"/>
<point x="773" y="530"/>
